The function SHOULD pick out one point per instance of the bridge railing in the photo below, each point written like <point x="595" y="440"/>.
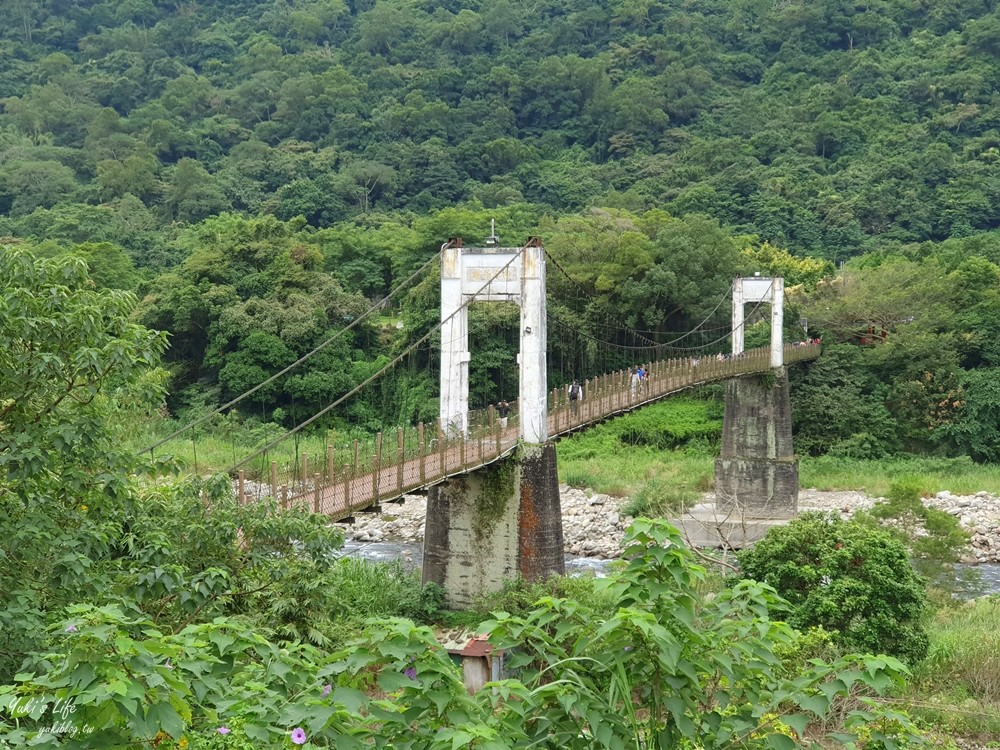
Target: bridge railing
<point x="614" y="393"/>
<point x="366" y="473"/>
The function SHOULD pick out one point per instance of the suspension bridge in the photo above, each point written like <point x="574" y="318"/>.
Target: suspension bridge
<point x="452" y="457"/>
<point x="418" y="456"/>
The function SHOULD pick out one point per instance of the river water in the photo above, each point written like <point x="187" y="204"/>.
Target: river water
<point x="411" y="555"/>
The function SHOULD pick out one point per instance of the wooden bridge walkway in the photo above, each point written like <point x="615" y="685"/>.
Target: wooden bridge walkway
<point x="423" y="456"/>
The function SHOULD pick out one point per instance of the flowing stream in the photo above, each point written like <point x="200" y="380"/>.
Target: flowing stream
<point x="411" y="554"/>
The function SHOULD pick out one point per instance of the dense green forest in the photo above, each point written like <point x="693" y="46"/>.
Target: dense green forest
<point x="830" y="127"/>
<point x="260" y="172"/>
<point x="195" y="195"/>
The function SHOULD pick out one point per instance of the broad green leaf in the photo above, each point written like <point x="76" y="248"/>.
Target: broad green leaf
<point x="780" y="742"/>
<point x="817" y="704"/>
<point x="351" y="699"/>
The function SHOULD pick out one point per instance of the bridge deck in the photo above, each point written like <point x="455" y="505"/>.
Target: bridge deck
<point x="424" y="457"/>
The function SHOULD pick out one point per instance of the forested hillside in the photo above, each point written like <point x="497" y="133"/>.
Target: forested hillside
<point x="196" y="194"/>
<point x="260" y="172"/>
<point x="827" y="126"/>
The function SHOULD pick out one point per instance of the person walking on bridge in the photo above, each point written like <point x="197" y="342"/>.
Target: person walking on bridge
<point x="575" y="396"/>
<point x="635" y="380"/>
<point x="503" y="409"/>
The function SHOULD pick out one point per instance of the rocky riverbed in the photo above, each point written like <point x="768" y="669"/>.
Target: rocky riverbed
<point x="593" y="524"/>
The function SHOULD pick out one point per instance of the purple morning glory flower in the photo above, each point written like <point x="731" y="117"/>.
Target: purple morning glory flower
<point x="71" y="628"/>
<point x="327" y="690"/>
<point x="223" y="730"/>
<point x="410" y="672"/>
<point x="299" y="736"/>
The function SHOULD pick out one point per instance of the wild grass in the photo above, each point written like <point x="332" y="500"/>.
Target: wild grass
<point x="225" y="440"/>
<point x="518" y="597"/>
<point x="662" y="457"/>
<point x="663" y="454"/>
<point x="931" y="475"/>
<point x="958" y="684"/>
<point x="660" y="497"/>
<point x="600" y="459"/>
<point x="365" y="588"/>
<point x="208" y="454"/>
<point x="622" y="475"/>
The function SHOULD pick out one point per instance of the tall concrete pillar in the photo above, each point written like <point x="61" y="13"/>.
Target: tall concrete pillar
<point x="532" y="360"/>
<point x="504" y="520"/>
<point x="757" y="473"/>
<point x="454" y="402"/>
<point x="493" y="525"/>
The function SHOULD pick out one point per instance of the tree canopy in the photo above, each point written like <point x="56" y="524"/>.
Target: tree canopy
<point x="824" y="127"/>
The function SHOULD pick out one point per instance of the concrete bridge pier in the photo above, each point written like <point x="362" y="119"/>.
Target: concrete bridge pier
<point x="495" y="524"/>
<point x="757" y="473"/>
<point x="501" y="521"/>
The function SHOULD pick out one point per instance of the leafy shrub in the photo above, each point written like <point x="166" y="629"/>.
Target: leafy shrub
<point x="646" y="672"/>
<point x="847" y="576"/>
<point x="838" y="406"/>
<point x="367" y="589"/>
<point x="520" y="596"/>
<point x="328" y="606"/>
<point x="673" y="425"/>
<point x="811" y="643"/>
<point x="935" y="551"/>
<point x="668" y="425"/>
<point x="659" y="497"/>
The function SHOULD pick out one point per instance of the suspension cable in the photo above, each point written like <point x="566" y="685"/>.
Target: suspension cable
<point x="639" y="334"/>
<point x="613" y="345"/>
<point x="376" y="375"/>
<point x="354" y="323"/>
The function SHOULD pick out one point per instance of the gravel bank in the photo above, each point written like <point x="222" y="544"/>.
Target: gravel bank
<point x="593" y="523"/>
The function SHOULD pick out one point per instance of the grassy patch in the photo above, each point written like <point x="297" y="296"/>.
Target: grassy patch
<point x="660" y="497"/>
<point x="519" y="596"/>
<point x="875" y="477"/>
<point x="958" y="685"/>
<point x="661" y="456"/>
<point x="227" y="439"/>
<point x="364" y="589"/>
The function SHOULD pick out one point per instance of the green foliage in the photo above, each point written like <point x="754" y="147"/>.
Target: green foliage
<point x="659" y="456"/>
<point x="976" y="427"/>
<point x="934" y="538"/>
<point x="74" y="371"/>
<point x="768" y="260"/>
<point x="660" y="498"/>
<point x="839" y="407"/>
<point x="249" y="300"/>
<point x="824" y="128"/>
<point x="961" y="668"/>
<point x="70" y="350"/>
<point x="960" y="475"/>
<point x="679" y="422"/>
<point x="520" y="597"/>
<point x="848" y="577"/>
<point x="76" y="367"/>
<point x="327" y="605"/>
<point x="810" y="643"/>
<point x="497" y="493"/>
<point x="582" y="677"/>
